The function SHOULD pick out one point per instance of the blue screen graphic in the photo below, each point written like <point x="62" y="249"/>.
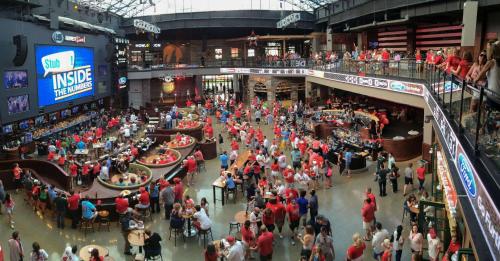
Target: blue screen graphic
<point x="64" y="73"/>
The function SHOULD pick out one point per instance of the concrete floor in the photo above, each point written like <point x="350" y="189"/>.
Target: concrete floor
<point x="341" y="204"/>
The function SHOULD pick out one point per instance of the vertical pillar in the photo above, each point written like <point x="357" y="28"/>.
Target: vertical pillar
<point x="329" y="39"/>
<point x="308" y="90"/>
<point x="284" y="49"/>
<point x="427" y="139"/>
<point x="469" y="26"/>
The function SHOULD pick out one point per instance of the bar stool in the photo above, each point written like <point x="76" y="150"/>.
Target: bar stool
<point x="234" y="192"/>
<point x="86" y="225"/>
<point x="234" y="225"/>
<point x="177" y="231"/>
<point x="204" y="233"/>
<point x="104" y="221"/>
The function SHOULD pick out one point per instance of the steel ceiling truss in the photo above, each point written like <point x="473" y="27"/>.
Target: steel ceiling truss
<point x="126" y="8"/>
<point x="309" y="5"/>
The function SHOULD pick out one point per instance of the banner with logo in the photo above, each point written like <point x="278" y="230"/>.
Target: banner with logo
<point x="484" y="207"/>
<point x="64" y="73"/>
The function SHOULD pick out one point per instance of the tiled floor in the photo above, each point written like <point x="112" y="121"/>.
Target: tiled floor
<point x="341" y="204"/>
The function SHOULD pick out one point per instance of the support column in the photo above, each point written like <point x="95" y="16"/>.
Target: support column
<point x="308" y="89"/>
<point x="427" y="139"/>
<point x="469" y="21"/>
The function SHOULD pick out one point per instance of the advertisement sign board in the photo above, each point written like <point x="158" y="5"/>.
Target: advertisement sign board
<point x="64" y="73"/>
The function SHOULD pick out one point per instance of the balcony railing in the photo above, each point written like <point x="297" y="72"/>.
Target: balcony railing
<point x="472" y="109"/>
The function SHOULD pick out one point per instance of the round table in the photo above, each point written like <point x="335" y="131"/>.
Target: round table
<point x="190" y="230"/>
<point x="241" y="217"/>
<point x="415" y="210"/>
<point x="136" y="237"/>
<point x="85" y="253"/>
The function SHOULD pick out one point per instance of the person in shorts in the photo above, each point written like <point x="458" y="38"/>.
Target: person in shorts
<point x="408" y="177"/>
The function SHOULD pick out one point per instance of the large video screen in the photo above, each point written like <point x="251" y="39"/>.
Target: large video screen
<point x="64" y="73"/>
<point x="18" y="104"/>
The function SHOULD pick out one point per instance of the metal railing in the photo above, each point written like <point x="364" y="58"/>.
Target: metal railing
<point x="472" y="109"/>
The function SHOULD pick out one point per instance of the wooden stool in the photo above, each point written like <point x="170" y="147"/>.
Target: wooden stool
<point x="205" y="233"/>
<point x="104" y="221"/>
<point x="86" y="225"/>
<point x="234" y="225"/>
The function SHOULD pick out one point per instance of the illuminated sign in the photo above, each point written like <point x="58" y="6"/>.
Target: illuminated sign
<point x="406" y="87"/>
<point x="64" y="73"/>
<point x="145" y="26"/>
<point x="122" y="82"/>
<point x="447" y="185"/>
<point x="290" y="19"/>
<point x="59" y="37"/>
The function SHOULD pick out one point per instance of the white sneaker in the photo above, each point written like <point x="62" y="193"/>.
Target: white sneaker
<point x="293" y="242"/>
<point x="281" y="236"/>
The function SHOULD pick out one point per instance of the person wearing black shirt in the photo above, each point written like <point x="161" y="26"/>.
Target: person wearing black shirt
<point x="61" y="205"/>
<point x="382" y="179"/>
<point x="152" y="245"/>
<point x="313" y="204"/>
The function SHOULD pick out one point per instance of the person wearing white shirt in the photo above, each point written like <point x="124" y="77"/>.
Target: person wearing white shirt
<point x="282" y="161"/>
<point x="133" y="118"/>
<point x="202" y="222"/>
<point x="266" y="143"/>
<point x="378" y="238"/>
<point x="434" y="245"/>
<point x="104" y="174"/>
<point x="243" y="136"/>
<point x="126" y="131"/>
<point x="272" y="149"/>
<point x="398" y="243"/>
<point x="235" y="251"/>
<point x="302" y="179"/>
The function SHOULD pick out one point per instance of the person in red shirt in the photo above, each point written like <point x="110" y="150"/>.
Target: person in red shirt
<point x="61" y="161"/>
<point x="368" y="215"/>
<point x="289" y="176"/>
<point x="143" y="199"/>
<point x="191" y="169"/>
<point x="464" y="66"/>
<point x="16" y="173"/>
<point x="248" y="238"/>
<point x="73" y="205"/>
<point x="265" y="244"/>
<point x="73" y="169"/>
<point x="51" y="156"/>
<point x="96" y="170"/>
<point x="234" y="145"/>
<point x="178" y="190"/>
<point x="357" y="248"/>
<point x="371" y="196"/>
<point x="121" y="205"/>
<point x="268" y="219"/>
<point x="279" y="212"/>
<point x="421" y="177"/>
<point x="85" y="173"/>
<point x="292" y="209"/>
<point x="453" y="60"/>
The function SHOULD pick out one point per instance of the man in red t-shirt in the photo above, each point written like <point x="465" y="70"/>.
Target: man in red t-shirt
<point x="368" y="215"/>
<point x="292" y="209"/>
<point x="121" y="205"/>
<point x="421" y="177"/>
<point x="191" y="169"/>
<point x="265" y="244"/>
<point x="73" y="205"/>
<point x="143" y="199"/>
<point x="16" y="172"/>
<point x="178" y="190"/>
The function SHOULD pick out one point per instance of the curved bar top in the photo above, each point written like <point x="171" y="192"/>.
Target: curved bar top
<point x="46" y="171"/>
<point x="409" y="148"/>
<point x="152" y="165"/>
<point x="194" y="132"/>
<point x="99" y="191"/>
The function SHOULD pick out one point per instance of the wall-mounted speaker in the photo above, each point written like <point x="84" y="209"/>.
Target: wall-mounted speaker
<point x="21" y="43"/>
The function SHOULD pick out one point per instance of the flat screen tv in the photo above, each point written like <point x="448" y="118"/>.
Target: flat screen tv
<point x="15" y="79"/>
<point x="18" y="104"/>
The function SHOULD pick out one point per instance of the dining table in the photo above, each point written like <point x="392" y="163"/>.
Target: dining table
<point x="241" y="216"/>
<point x="190" y="231"/>
<point x="84" y="253"/>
